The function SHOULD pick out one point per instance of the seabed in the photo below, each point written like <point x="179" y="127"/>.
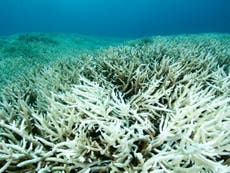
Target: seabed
<point x="72" y="103"/>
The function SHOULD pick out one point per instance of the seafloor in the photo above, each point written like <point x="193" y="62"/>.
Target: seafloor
<point x="72" y="103"/>
<point x="22" y="52"/>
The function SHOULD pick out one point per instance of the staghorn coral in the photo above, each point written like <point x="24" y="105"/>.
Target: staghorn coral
<point x="22" y="52"/>
<point x="160" y="105"/>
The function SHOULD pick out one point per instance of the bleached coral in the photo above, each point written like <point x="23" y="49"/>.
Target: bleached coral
<point x="157" y="105"/>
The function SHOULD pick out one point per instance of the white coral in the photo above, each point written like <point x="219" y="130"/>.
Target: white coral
<point x="160" y="107"/>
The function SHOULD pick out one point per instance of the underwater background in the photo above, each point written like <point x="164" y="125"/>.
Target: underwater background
<point x="133" y="86"/>
<point x="120" y="18"/>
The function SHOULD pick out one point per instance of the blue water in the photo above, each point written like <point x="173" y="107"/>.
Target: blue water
<point x="131" y="18"/>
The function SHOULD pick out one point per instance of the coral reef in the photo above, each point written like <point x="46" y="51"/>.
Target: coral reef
<point x="20" y="53"/>
<point x="159" y="104"/>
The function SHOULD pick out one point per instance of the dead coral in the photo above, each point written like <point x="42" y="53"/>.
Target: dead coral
<point x="143" y="107"/>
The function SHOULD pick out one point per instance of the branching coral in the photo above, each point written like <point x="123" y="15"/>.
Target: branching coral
<point x="145" y="107"/>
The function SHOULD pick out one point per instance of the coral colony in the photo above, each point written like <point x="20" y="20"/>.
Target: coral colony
<point x="159" y="104"/>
